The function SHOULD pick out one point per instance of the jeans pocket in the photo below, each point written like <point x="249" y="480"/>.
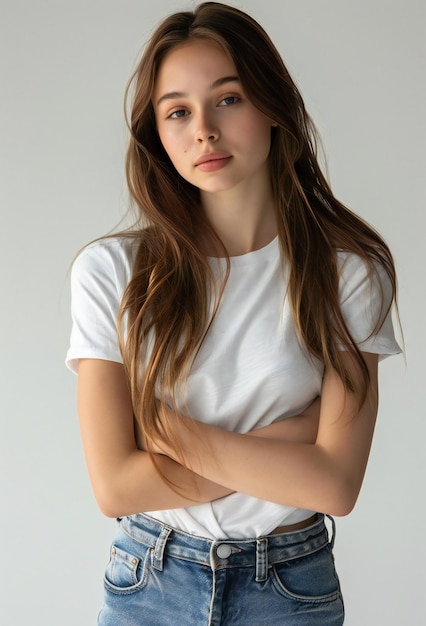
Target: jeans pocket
<point x="126" y="572"/>
<point x="310" y="578"/>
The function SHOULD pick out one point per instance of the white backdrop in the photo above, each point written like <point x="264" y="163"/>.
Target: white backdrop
<point x="64" y="65"/>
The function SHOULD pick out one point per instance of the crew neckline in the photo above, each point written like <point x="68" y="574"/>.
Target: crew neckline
<point x="248" y="257"/>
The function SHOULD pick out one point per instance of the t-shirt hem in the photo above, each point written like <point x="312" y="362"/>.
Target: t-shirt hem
<point x="382" y="348"/>
<point x="73" y="358"/>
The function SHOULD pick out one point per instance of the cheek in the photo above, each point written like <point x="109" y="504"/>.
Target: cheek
<point x="168" y="147"/>
<point x="261" y="139"/>
<point x="172" y="144"/>
<point x="176" y="152"/>
<point x="256" y="131"/>
<point x="265" y="135"/>
<point x="164" y="140"/>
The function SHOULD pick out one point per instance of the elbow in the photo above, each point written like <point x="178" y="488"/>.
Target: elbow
<point x="341" y="508"/>
<point x="109" y="499"/>
<point x="109" y="509"/>
<point x="108" y="505"/>
<point x="343" y="499"/>
<point x="115" y="492"/>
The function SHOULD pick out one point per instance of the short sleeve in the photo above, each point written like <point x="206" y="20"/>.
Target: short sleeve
<point x="98" y="278"/>
<point x="365" y="300"/>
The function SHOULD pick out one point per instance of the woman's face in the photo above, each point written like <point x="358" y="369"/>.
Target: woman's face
<point x="215" y="137"/>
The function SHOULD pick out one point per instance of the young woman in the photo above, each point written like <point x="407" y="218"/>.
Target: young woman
<point x="227" y="346"/>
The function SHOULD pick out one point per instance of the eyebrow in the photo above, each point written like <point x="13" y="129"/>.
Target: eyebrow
<point x="180" y="94"/>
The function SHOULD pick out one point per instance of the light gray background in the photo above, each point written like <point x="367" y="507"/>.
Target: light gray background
<point x="64" y="66"/>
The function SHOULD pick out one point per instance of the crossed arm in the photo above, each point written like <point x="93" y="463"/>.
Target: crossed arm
<point x="315" y="463"/>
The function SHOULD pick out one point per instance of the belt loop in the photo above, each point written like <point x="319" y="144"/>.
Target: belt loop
<point x="261" y="560"/>
<point x="160" y="544"/>
<point x="333" y="531"/>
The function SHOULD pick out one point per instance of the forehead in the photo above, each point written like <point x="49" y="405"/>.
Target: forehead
<point x="200" y="61"/>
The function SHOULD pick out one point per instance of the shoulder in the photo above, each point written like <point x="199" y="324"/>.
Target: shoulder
<point x="111" y="251"/>
<point x="357" y="277"/>
<point x="366" y="293"/>
<point x="108" y="260"/>
<point x="99" y="276"/>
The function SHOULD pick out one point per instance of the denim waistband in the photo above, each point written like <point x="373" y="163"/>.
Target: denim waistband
<point x="225" y="553"/>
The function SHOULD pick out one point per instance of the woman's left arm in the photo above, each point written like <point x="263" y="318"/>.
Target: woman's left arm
<point x="323" y="476"/>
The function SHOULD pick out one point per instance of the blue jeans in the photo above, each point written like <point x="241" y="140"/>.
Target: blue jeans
<point x="158" y="576"/>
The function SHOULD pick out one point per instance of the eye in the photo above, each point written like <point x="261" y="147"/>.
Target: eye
<point x="177" y="114"/>
<point x="228" y="100"/>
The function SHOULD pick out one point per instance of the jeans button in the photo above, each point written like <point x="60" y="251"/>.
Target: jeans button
<point x="223" y="551"/>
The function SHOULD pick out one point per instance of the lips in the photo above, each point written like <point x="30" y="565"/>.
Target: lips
<point x="212" y="161"/>
<point x="212" y="156"/>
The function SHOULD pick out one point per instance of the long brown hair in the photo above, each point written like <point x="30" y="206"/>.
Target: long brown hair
<point x="166" y="305"/>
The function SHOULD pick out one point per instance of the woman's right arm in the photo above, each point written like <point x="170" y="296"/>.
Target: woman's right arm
<point x="124" y="479"/>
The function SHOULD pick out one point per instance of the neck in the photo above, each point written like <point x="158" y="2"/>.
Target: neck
<point x="244" y="222"/>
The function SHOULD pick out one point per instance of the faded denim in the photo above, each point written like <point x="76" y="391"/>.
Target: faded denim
<point x="158" y="576"/>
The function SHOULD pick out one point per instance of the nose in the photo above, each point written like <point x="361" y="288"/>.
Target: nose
<point x="206" y="130"/>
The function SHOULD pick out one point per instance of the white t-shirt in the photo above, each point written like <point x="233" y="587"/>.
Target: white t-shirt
<point x="251" y="369"/>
